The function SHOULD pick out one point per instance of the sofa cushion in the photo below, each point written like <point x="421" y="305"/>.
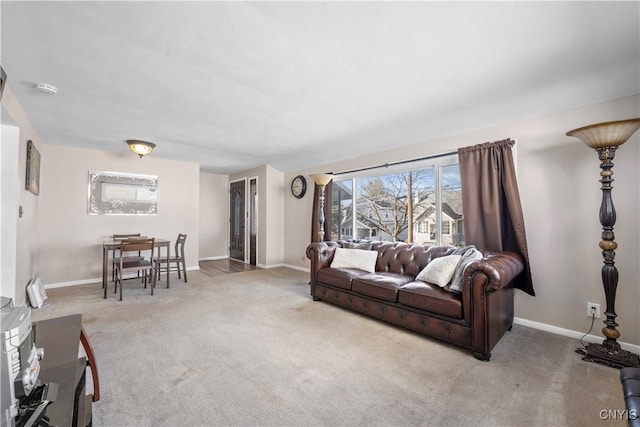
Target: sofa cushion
<point x="440" y="270"/>
<point x="339" y="277"/>
<point x="382" y="286"/>
<point x="427" y="296"/>
<point x="355" y="258"/>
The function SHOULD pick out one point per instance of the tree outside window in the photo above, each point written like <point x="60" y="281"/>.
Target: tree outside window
<point x="409" y="206"/>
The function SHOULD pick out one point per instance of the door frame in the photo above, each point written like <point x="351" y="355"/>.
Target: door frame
<point x="247" y="217"/>
<point x="252" y="215"/>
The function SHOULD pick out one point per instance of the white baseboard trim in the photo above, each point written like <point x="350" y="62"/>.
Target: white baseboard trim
<point x="72" y="283"/>
<point x="571" y="334"/>
<point x="267" y="267"/>
<point x="96" y="280"/>
<point x="214" y="258"/>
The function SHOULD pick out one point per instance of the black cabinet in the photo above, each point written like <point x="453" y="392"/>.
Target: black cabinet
<point x="61" y="364"/>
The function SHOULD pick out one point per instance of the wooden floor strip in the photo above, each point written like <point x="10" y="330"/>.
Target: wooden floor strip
<point x="224" y="266"/>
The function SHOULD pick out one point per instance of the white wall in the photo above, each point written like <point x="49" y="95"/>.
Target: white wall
<point x="275" y="230"/>
<point x="213" y="216"/>
<point x="9" y="155"/>
<point x="558" y="181"/>
<point x="26" y="248"/>
<point x="70" y="238"/>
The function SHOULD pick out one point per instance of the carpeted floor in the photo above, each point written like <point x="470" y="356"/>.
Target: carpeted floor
<point x="253" y="349"/>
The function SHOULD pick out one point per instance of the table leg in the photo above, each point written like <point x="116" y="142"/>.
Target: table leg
<point x="167" y="258"/>
<point x="105" y="256"/>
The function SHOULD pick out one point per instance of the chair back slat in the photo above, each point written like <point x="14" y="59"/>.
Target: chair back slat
<point x="135" y="245"/>
<point x="139" y="263"/>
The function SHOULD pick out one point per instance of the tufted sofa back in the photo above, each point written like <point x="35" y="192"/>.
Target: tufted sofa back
<point x="406" y="258"/>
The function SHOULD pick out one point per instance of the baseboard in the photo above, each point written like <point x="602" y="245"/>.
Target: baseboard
<point x="267" y="267"/>
<point x="571" y="334"/>
<point x="96" y="280"/>
<point x="72" y="283"/>
<point x="213" y="258"/>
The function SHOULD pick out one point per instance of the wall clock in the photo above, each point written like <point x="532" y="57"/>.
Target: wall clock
<point x="298" y="187"/>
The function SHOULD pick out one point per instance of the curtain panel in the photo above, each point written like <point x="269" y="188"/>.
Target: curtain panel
<point x="493" y="216"/>
<point x="315" y="215"/>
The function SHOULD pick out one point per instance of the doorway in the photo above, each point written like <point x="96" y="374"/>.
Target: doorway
<point x="253" y="220"/>
<point x="237" y="220"/>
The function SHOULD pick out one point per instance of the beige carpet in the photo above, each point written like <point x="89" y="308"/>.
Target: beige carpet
<point x="252" y="348"/>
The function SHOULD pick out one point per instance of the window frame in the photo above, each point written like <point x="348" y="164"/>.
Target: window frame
<point x="437" y="163"/>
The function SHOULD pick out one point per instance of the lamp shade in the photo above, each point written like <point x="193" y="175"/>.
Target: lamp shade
<point x="607" y="134"/>
<point x="321" y="178"/>
<point x="141" y="148"/>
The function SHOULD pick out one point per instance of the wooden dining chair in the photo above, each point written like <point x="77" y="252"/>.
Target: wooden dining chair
<point x="114" y="258"/>
<point x="144" y="263"/>
<point x="164" y="264"/>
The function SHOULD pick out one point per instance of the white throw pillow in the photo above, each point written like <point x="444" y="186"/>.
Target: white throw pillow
<point x="440" y="270"/>
<point x="355" y="258"/>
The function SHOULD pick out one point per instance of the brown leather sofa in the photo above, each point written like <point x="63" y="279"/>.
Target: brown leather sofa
<point x="475" y="319"/>
<point x="630" y="379"/>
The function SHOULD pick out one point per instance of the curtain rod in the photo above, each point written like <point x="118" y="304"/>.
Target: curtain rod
<point x="402" y="162"/>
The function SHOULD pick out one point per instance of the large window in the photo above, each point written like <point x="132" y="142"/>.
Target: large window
<point x="421" y="205"/>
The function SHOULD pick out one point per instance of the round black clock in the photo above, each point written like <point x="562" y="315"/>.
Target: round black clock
<point x="298" y="187"/>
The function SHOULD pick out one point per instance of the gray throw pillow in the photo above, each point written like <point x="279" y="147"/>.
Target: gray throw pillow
<point x="469" y="255"/>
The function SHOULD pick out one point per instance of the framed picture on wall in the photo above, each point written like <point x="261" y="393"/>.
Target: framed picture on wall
<point x="33" y="169"/>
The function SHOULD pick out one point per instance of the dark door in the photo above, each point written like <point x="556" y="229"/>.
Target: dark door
<point x="253" y="218"/>
<point x="236" y="220"/>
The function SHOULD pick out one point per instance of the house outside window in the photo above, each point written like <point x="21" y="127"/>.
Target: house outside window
<point x="419" y="205"/>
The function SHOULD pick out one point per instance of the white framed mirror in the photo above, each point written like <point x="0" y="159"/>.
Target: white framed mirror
<point x="115" y="193"/>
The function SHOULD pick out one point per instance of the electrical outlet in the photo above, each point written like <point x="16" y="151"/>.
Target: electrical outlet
<point x="593" y="308"/>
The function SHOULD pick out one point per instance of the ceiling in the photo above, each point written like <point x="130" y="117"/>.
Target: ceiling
<point x="235" y="85"/>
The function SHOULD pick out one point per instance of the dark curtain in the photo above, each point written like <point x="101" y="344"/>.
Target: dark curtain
<point x="315" y="215"/>
<point x="491" y="203"/>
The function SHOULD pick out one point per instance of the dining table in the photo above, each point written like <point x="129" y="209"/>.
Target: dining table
<point x="110" y="245"/>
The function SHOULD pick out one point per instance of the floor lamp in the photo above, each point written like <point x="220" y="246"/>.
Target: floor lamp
<point x="605" y="138"/>
<point x="321" y="180"/>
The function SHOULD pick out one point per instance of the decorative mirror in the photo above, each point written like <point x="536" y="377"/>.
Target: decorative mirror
<point x="114" y="193"/>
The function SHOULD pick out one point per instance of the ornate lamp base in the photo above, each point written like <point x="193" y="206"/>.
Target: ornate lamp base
<point x="615" y="358"/>
<point x="605" y="138"/>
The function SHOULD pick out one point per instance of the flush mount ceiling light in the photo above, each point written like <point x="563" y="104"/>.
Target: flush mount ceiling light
<point x="141" y="148"/>
<point x="46" y="88"/>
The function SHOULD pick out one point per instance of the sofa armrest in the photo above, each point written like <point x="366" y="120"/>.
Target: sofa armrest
<point x="487" y="298"/>
<point x="630" y="379"/>
<point x="321" y="255"/>
<point x="500" y="268"/>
